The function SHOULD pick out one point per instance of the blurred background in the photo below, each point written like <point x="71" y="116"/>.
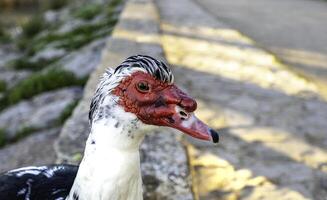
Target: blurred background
<point x="48" y="50"/>
<point x="258" y="69"/>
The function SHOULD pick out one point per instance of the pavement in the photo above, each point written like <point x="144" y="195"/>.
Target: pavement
<point x="293" y="30"/>
<point x="272" y="120"/>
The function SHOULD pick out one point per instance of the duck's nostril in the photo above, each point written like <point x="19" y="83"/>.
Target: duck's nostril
<point x="183" y="113"/>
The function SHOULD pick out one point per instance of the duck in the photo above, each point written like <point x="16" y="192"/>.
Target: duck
<point x="129" y="102"/>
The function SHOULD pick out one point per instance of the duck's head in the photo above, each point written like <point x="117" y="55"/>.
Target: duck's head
<point x="141" y="91"/>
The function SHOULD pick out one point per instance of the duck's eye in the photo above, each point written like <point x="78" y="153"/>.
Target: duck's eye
<point x="143" y="87"/>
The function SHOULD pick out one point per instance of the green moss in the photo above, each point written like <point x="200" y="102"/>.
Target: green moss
<point x="67" y="112"/>
<point x="77" y="157"/>
<point x="56" y="4"/>
<point x="115" y="3"/>
<point x="24" y="132"/>
<point x="3" y="139"/>
<point x="79" y="36"/>
<point x="88" y="12"/>
<point x="39" y="83"/>
<point x="75" y="39"/>
<point x="22" y="43"/>
<point x="2" y="30"/>
<point x="5" y="39"/>
<point x="4" y="36"/>
<point x="24" y="63"/>
<point x="84" y="35"/>
<point x="112" y="8"/>
<point x="33" y="27"/>
<point x="3" y="86"/>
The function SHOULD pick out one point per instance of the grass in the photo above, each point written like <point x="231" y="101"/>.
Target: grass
<point x="3" y="139"/>
<point x="23" y="63"/>
<point x="56" y="4"/>
<point x="115" y="3"/>
<point x="5" y="39"/>
<point x="88" y="12"/>
<point x="34" y="26"/>
<point x="38" y="83"/>
<point x="79" y="37"/>
<point x="2" y="31"/>
<point x="74" y="39"/>
<point x="85" y="34"/>
<point x="24" y="132"/>
<point x="22" y="43"/>
<point x="29" y="30"/>
<point x="113" y="8"/>
<point x="77" y="157"/>
<point x="67" y="112"/>
<point x="4" y="36"/>
<point x="3" y="86"/>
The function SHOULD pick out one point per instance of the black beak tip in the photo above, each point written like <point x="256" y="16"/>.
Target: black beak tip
<point x="214" y="136"/>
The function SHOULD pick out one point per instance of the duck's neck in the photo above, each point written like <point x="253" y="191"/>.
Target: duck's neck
<point x="110" y="169"/>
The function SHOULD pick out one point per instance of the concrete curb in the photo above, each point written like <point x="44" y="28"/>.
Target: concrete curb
<point x="165" y="177"/>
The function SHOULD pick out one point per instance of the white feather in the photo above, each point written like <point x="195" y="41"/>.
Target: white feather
<point x="110" y="169"/>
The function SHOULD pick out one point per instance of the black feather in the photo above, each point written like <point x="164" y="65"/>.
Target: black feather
<point x="39" y="183"/>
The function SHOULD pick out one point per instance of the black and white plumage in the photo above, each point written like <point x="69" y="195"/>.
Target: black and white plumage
<point x="51" y="182"/>
<point x="139" y="93"/>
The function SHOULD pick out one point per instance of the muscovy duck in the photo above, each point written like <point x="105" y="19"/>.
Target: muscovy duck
<point x="128" y="100"/>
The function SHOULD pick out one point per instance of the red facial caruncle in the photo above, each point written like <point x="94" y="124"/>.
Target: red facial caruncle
<point x="155" y="102"/>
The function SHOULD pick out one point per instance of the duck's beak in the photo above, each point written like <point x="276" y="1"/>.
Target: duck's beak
<point x="189" y="124"/>
<point x="182" y="117"/>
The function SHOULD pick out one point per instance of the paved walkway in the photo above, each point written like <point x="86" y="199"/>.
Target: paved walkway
<point x="273" y="122"/>
<point x="294" y="30"/>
